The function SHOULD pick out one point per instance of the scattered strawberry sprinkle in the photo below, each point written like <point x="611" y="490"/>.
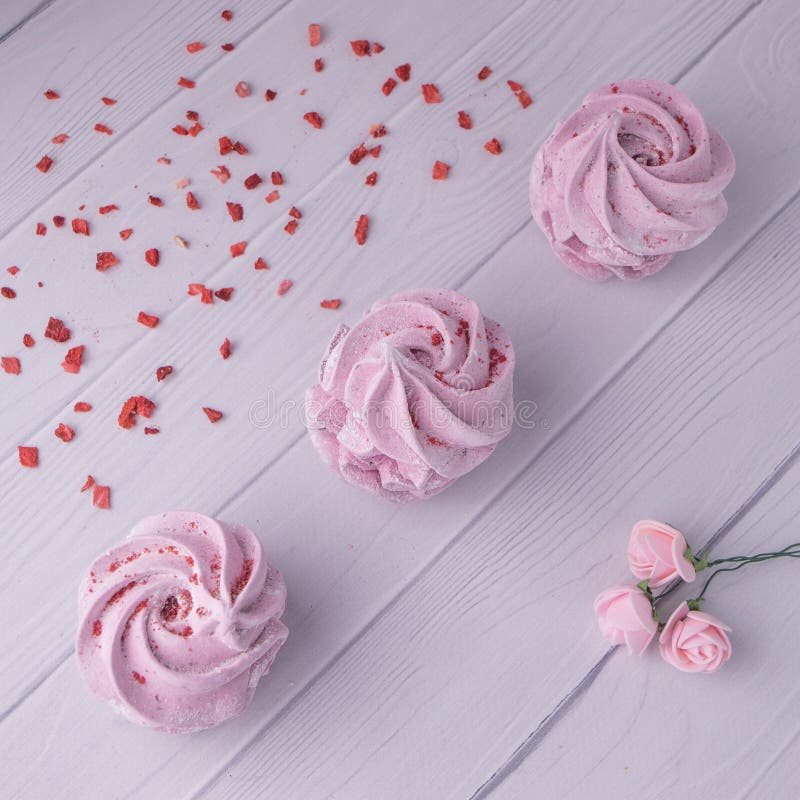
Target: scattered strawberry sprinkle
<point x="251" y="181"/>
<point x="64" y="432"/>
<point x="101" y="498"/>
<point x="152" y="256"/>
<point x="8" y="292"/>
<point x="44" y="163"/>
<point x="313" y="119"/>
<point x="236" y="211"/>
<point x="138" y="405"/>
<point x="362" y="227"/>
<point x="149" y="320"/>
<point x="100" y="128"/>
<point x="105" y="261"/>
<point x="41" y="229"/>
<point x="295" y="213"/>
<point x="73" y="360"/>
<point x="440" y="171"/>
<point x="388" y="86"/>
<point x="377" y="48"/>
<point x="155" y="201"/>
<point x="212" y="414"/>
<point x="163" y="372"/>
<point x="331" y="304"/>
<point x="224" y="294"/>
<point x="151" y="431"/>
<point x="314" y="34"/>
<point x="86" y="486"/>
<point x="524" y="98"/>
<point x="371" y="179"/>
<point x="28" y="456"/>
<point x="284" y="286"/>
<point x="81" y="407"/>
<point x="358" y="153"/>
<point x="50" y="94"/>
<point x="242" y="89"/>
<point x="514" y="86"/>
<point x="186" y="83"/>
<point x="277" y="179"/>
<point x="227" y="15"/>
<point x="494" y="147"/>
<point x="227" y="47"/>
<point x="108" y="209"/>
<point x="260" y="264"/>
<point x="225" y="349"/>
<point x="377" y="131"/>
<point x="28" y="340"/>
<point x="464" y="120"/>
<point x="57" y="331"/>
<point x="291" y="227"/>
<point x="109" y="101"/>
<point x="430" y="93"/>
<point x="319" y="65"/>
<point x="60" y="138"/>
<point x="403" y="72"/>
<point x="194" y="47"/>
<point x="125" y="234"/>
<point x="59" y="221"/>
<point x="360" y="47"/>
<point x="12" y="270"/>
<point x="221" y="173"/>
<point x="191" y="201"/>
<point x="80" y="226"/>
<point x="269" y="95"/>
<point x="375" y="151"/>
<point x="272" y="196"/>
<point x="10" y="365"/>
<point x="484" y="74"/>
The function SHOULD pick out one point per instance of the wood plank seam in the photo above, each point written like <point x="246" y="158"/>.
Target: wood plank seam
<point x="43" y="6"/>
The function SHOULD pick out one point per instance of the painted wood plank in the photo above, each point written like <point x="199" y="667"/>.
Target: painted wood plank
<point x="16" y="13"/>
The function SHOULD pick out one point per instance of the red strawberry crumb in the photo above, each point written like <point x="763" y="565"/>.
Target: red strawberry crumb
<point x="101" y="498"/>
<point x="109" y="101"/>
<point x="73" y="360"/>
<point x="227" y="15"/>
<point x="86" y="486"/>
<point x="242" y="89"/>
<point x="464" y="120"/>
<point x="151" y="431"/>
<point x="97" y="627"/>
<point x="152" y="256"/>
<point x="224" y="294"/>
<point x="377" y="47"/>
<point x="331" y="304"/>
<point x="163" y="372"/>
<point x="377" y="131"/>
<point x="108" y="209"/>
<point x="206" y="296"/>
<point x="8" y="292"/>
<point x="514" y="86"/>
<point x="440" y="171"/>
<point x="403" y="72"/>
<point x="41" y="229"/>
<point x="80" y="226"/>
<point x="28" y="456"/>
<point x="164" y="160"/>
<point x="50" y="94"/>
<point x="186" y="83"/>
<point x="59" y="221"/>
<point x="313" y="119"/>
<point x="236" y="211"/>
<point x="227" y="47"/>
<point x="64" y="432"/>
<point x="314" y="34"/>
<point x="195" y="288"/>
<point x="484" y="74"/>
<point x="388" y="86"/>
<point x="272" y="196"/>
<point x="284" y="286"/>
<point x="125" y="234"/>
<point x="375" y="151"/>
<point x="225" y="349"/>
<point x="44" y="163"/>
<point x="100" y="128"/>
<point x="251" y="181"/>
<point x="360" y="47"/>
<point x="524" y="98"/>
<point x="277" y="179"/>
<point x="194" y="47"/>
<point x="105" y="261"/>
<point x="149" y="320"/>
<point x="60" y="138"/>
<point x="362" y="227"/>
<point x="291" y="227"/>
<point x="269" y="95"/>
<point x="195" y="129"/>
<point x="12" y="270"/>
<point x="138" y="405"/>
<point x="221" y="173"/>
<point x="57" y="331"/>
<point x="358" y="153"/>
<point x="436" y="339"/>
<point x="260" y="264"/>
<point x="81" y="407"/>
<point x="28" y="340"/>
<point x="371" y="179"/>
<point x="180" y="130"/>
<point x="10" y="365"/>
<point x="319" y="65"/>
<point x="212" y="414"/>
<point x="191" y="201"/>
<point x="155" y="201"/>
<point x="294" y="213"/>
<point x="494" y="147"/>
<point x="430" y="93"/>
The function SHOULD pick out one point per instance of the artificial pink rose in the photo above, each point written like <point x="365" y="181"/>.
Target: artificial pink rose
<point x="625" y="616"/>
<point x="656" y="553"/>
<point x="694" y="642"/>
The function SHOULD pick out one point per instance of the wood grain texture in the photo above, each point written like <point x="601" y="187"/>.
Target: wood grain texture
<point x="341" y="577"/>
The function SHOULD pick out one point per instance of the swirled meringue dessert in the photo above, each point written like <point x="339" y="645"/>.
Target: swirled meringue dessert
<point x="415" y="395"/>
<point x="179" y="622"/>
<point x="631" y="178"/>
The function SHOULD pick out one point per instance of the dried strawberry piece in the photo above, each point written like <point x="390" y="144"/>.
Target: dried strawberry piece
<point x="125" y="234"/>
<point x="514" y="86"/>
<point x="403" y="72"/>
<point x="260" y="264"/>
<point x="164" y="160"/>
<point x="358" y="153"/>
<point x="484" y="74"/>
<point x="441" y="171"/>
<point x="155" y="201"/>
<point x="192" y="116"/>
<point x="195" y="129"/>
<point x="238" y="248"/>
<point x="375" y="151"/>
<point x="138" y="405"/>
<point x="28" y="456"/>
<point x="64" y="432"/>
<point x="195" y="288"/>
<point x="50" y="94"/>
<point x="494" y="147"/>
<point x="8" y="292"/>
<point x="194" y="47"/>
<point x="206" y="296"/>
<point x="227" y="15"/>
<point x="191" y="201"/>
<point x="284" y="286"/>
<point x="163" y="372"/>
<point x="225" y="293"/>
<point x="212" y="414"/>
<point x="225" y="349"/>
<point x="272" y="196"/>
<point x="377" y="48"/>
<point x="57" y="331"/>
<point x="360" y="47"/>
<point x="86" y="486"/>
<point x="319" y="65"/>
<point x="371" y="179"/>
<point x="149" y="320"/>
<point x="181" y="183"/>
<point x="464" y="120"/>
<point x="291" y="227"/>
<point x="314" y="34"/>
<point x="106" y="260"/>
<point x="81" y="407"/>
<point x="269" y="95"/>
<point x="430" y="93"/>
<point x="60" y="138"/>
<point x="101" y="498"/>
<point x="251" y="181"/>
<point x="242" y="89"/>
<point x="41" y="229"/>
<point x="388" y="86"/>
<point x="12" y="270"/>
<point x="73" y="360"/>
<point x="377" y="131"/>
<point x="108" y="209"/>
<point x="44" y="163"/>
<point x="524" y="98"/>
<point x="28" y="340"/>
<point x="180" y="130"/>
<point x="277" y="179"/>
<point x="108" y="101"/>
<point x="293" y="212"/>
<point x="362" y="227"/>
<point x="331" y="304"/>
<point x="221" y="173"/>
<point x="227" y="47"/>
<point x="151" y="431"/>
<point x="236" y="211"/>
<point x="313" y="119"/>
<point x="240" y="148"/>
<point x="186" y="83"/>
<point x="226" y="145"/>
<point x="80" y="226"/>
<point x="100" y="128"/>
<point x="59" y="221"/>
<point x="10" y="364"/>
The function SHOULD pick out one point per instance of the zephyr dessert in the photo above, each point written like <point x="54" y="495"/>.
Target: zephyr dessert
<point x="414" y="395"/>
<point x="633" y="177"/>
<point x="180" y="622"/>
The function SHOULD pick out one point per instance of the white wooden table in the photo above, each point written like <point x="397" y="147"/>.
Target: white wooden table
<point x="445" y="649"/>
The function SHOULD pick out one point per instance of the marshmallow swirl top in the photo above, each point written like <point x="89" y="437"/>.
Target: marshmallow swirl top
<point x="415" y="395"/>
<point x="180" y="621"/>
<point x="628" y="180"/>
